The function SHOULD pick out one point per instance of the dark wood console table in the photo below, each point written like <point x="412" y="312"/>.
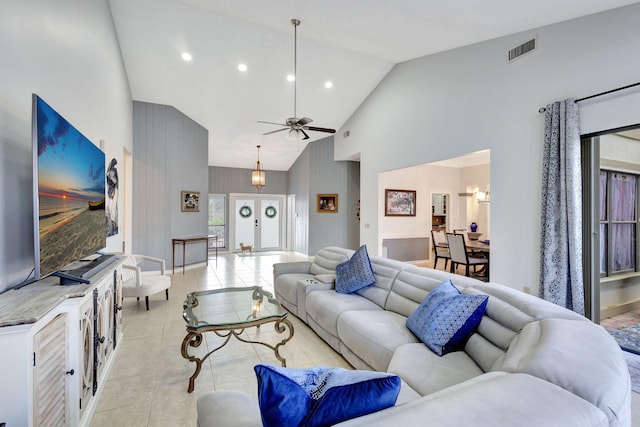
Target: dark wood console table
<point x="184" y="241"/>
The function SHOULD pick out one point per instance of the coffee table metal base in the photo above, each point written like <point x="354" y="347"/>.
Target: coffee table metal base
<point x="194" y="339"/>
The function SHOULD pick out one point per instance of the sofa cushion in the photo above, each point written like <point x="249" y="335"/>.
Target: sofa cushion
<point x="326" y="260"/>
<point x="374" y="335"/>
<point x="321" y="396"/>
<point x="446" y="318"/>
<point x="412" y="285"/>
<point x="356" y="273"/>
<point x="427" y="372"/>
<point x="324" y="307"/>
<point x="385" y="272"/>
<point x="492" y="399"/>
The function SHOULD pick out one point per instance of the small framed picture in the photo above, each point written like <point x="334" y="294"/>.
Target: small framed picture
<point x="328" y="203"/>
<point x="190" y="201"/>
<point x="399" y="203"/>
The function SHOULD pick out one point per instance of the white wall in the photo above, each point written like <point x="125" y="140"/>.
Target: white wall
<point x="424" y="179"/>
<point x="477" y="178"/>
<point x="65" y="51"/>
<point x="471" y="99"/>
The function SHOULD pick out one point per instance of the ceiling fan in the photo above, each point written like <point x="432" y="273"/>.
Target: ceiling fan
<point x="297" y="127"/>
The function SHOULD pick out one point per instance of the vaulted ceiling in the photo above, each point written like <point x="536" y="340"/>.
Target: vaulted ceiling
<point x="352" y="43"/>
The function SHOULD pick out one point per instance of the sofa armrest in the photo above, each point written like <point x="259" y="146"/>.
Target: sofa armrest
<point x="491" y="399"/>
<point x="297" y="267"/>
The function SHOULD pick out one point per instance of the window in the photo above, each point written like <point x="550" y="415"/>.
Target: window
<point x="217" y="217"/>
<point x="618" y="222"/>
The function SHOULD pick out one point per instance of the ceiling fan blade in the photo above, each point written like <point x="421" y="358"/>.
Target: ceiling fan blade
<point x="317" y="129"/>
<point x="275" y="131"/>
<point x="303" y="121"/>
<point x="306" y="136"/>
<point x="272" y="123"/>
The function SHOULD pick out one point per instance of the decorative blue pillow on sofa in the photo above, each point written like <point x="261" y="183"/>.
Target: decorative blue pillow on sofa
<point x="355" y="273"/>
<point x="321" y="396"/>
<point x="446" y="318"/>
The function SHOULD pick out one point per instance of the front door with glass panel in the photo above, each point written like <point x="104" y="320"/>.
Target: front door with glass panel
<point x="257" y="222"/>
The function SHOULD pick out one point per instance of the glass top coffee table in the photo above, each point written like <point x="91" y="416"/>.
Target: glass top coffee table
<point x="228" y="312"/>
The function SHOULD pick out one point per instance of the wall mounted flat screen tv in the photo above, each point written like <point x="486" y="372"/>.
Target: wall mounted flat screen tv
<point x="69" y="194"/>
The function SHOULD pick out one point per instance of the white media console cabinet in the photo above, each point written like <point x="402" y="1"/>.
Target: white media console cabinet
<point x="57" y="345"/>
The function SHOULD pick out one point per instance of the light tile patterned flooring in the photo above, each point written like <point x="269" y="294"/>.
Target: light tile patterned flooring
<point x="147" y="385"/>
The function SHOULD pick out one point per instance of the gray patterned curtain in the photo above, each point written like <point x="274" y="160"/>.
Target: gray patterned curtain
<point x="561" y="225"/>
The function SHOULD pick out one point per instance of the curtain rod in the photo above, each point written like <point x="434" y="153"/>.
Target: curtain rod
<point x="543" y="109"/>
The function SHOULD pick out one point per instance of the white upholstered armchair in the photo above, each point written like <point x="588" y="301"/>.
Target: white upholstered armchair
<point x="136" y="283"/>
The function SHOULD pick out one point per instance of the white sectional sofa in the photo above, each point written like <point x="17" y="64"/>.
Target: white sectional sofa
<point x="530" y="363"/>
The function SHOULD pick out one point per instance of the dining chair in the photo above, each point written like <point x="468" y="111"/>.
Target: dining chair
<point x="136" y="283"/>
<point x="439" y="248"/>
<point x="472" y="251"/>
<point x="460" y="255"/>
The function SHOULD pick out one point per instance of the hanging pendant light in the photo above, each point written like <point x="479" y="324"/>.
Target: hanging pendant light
<point x="258" y="175"/>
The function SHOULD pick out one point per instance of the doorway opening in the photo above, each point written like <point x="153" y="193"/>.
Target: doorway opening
<point x="257" y="221"/>
<point x="446" y="200"/>
<point x="612" y="226"/>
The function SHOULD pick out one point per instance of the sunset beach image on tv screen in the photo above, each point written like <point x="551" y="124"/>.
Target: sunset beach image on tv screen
<point x="71" y="192"/>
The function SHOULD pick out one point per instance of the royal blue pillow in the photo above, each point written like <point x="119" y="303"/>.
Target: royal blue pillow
<point x="446" y="318"/>
<point x="355" y="273"/>
<point x="321" y="396"/>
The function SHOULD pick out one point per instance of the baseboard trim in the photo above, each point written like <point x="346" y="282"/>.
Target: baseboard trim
<point x="619" y="309"/>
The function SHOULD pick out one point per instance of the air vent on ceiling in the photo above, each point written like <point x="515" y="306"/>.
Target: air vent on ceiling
<point x="524" y="48"/>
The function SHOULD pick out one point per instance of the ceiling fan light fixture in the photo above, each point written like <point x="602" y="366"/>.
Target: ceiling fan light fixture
<point x="297" y="127"/>
<point x="294" y="135"/>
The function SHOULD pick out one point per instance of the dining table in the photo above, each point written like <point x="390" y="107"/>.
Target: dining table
<point x="477" y="245"/>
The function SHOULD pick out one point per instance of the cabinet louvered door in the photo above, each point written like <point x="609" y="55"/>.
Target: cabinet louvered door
<point x="109" y="318"/>
<point x="49" y="374"/>
<point x="100" y="340"/>
<point x="117" y="305"/>
<point x="86" y="356"/>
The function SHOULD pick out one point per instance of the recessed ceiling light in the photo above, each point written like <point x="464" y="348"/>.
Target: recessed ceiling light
<point x="291" y="78"/>
<point x="242" y="67"/>
<point x="328" y="85"/>
<point x="186" y="56"/>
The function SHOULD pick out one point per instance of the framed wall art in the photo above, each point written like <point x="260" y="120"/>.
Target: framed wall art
<point x="190" y="201"/>
<point x="113" y="187"/>
<point x="399" y="203"/>
<point x="327" y="203"/>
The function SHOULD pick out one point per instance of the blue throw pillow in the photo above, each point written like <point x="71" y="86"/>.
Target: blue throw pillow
<point x="321" y="396"/>
<point x="356" y="273"/>
<point x="446" y="318"/>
